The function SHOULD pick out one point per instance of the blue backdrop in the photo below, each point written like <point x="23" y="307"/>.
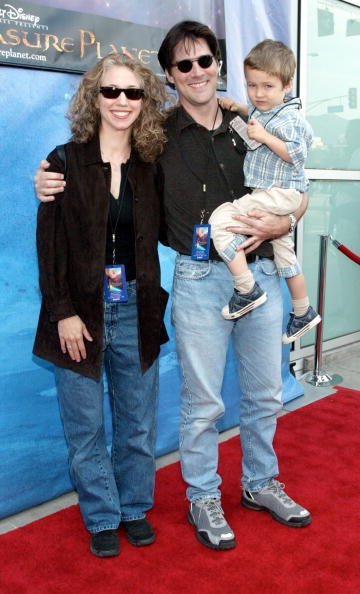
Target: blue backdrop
<point x="33" y="457"/>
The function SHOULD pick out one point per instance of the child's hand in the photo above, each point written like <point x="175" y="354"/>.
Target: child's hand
<point x="256" y="131"/>
<point x="228" y="103"/>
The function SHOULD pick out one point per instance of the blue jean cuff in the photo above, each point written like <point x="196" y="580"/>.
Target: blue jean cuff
<point x="202" y="497"/>
<point x="133" y="518"/>
<point x="256" y="488"/>
<point x="105" y="527"/>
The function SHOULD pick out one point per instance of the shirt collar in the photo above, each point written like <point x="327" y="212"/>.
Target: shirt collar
<point x="91" y="153"/>
<point x="184" y="120"/>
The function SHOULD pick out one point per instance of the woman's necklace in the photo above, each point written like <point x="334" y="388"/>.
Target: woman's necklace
<point x="215" y="118"/>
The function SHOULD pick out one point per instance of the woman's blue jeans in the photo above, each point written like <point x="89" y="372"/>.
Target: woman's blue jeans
<point x="200" y="291"/>
<point x="120" y="486"/>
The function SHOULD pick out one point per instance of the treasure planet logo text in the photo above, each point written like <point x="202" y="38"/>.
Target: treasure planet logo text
<point x="44" y="37"/>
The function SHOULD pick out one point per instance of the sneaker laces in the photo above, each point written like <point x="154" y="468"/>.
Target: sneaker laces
<point x="214" y="510"/>
<point x="278" y="488"/>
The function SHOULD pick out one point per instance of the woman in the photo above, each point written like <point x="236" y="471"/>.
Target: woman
<point x="105" y="225"/>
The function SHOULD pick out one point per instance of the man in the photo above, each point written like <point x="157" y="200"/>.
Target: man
<point x="201" y="168"/>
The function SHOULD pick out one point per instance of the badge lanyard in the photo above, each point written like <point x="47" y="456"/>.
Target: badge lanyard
<point x="202" y="232"/>
<point x="120" y="202"/>
<point x="240" y="127"/>
<point x="115" y="276"/>
<point x="274" y="114"/>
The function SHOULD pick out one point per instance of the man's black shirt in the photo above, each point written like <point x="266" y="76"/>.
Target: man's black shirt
<point x="201" y="169"/>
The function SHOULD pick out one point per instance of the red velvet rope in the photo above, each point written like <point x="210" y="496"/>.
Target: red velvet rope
<point x="342" y="248"/>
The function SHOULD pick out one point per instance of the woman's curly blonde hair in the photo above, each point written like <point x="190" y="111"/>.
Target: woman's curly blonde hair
<point x="147" y="137"/>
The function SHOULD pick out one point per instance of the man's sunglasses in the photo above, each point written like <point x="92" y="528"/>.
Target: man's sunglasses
<point x="186" y="65"/>
<point x="114" y="93"/>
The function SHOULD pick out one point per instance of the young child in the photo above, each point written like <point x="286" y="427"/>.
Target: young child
<point x="275" y="172"/>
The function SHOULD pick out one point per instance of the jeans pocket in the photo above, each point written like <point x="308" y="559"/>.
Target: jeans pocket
<point x="191" y="270"/>
<point x="267" y="266"/>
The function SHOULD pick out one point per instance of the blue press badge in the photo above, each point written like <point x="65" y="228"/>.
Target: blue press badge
<point x="201" y="242"/>
<point x="115" y="284"/>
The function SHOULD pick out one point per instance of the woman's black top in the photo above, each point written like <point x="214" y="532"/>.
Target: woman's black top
<point x="121" y="222"/>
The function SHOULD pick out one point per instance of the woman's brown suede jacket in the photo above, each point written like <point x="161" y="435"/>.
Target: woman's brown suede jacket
<point x="71" y="242"/>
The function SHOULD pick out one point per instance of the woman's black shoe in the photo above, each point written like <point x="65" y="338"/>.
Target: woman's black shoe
<point x="105" y="543"/>
<point x="139" y="532"/>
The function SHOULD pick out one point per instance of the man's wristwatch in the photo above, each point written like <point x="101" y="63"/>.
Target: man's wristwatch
<point x="293" y="223"/>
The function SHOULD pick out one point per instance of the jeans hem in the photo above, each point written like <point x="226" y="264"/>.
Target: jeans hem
<point x="133" y="518"/>
<point x="102" y="528"/>
<point x="203" y="497"/>
<point x="258" y="487"/>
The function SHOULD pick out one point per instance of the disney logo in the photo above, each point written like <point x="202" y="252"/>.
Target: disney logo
<point x="18" y="14"/>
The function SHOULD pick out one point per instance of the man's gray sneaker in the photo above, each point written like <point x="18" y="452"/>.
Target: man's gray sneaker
<point x="272" y="498"/>
<point x="212" y="530"/>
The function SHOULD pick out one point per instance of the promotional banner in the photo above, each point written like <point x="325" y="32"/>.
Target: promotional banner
<point x="41" y="37"/>
<point x="37" y="36"/>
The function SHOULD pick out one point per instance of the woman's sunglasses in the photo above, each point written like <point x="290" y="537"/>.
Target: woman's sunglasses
<point x="186" y="65"/>
<point x="114" y="93"/>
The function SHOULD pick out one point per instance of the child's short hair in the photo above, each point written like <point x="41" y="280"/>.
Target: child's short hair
<point x="273" y="57"/>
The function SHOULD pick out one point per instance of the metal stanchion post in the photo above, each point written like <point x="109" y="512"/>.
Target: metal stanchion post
<point x="318" y="377"/>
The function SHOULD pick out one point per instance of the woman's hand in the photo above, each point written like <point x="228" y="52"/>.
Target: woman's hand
<point x="48" y="183"/>
<point x="71" y="332"/>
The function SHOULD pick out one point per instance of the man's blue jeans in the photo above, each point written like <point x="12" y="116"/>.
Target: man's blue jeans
<point x="120" y="486"/>
<point x="200" y="291"/>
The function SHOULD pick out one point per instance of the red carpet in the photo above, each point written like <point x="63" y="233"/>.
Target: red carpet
<point x="318" y="448"/>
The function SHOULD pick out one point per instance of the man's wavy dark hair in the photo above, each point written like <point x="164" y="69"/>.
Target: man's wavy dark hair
<point x="187" y="32"/>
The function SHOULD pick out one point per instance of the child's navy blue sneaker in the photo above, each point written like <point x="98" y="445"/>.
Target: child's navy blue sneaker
<point x="298" y="325"/>
<point x="241" y="303"/>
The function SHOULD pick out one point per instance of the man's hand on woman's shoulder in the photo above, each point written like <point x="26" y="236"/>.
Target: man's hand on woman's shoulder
<point x="48" y="183"/>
